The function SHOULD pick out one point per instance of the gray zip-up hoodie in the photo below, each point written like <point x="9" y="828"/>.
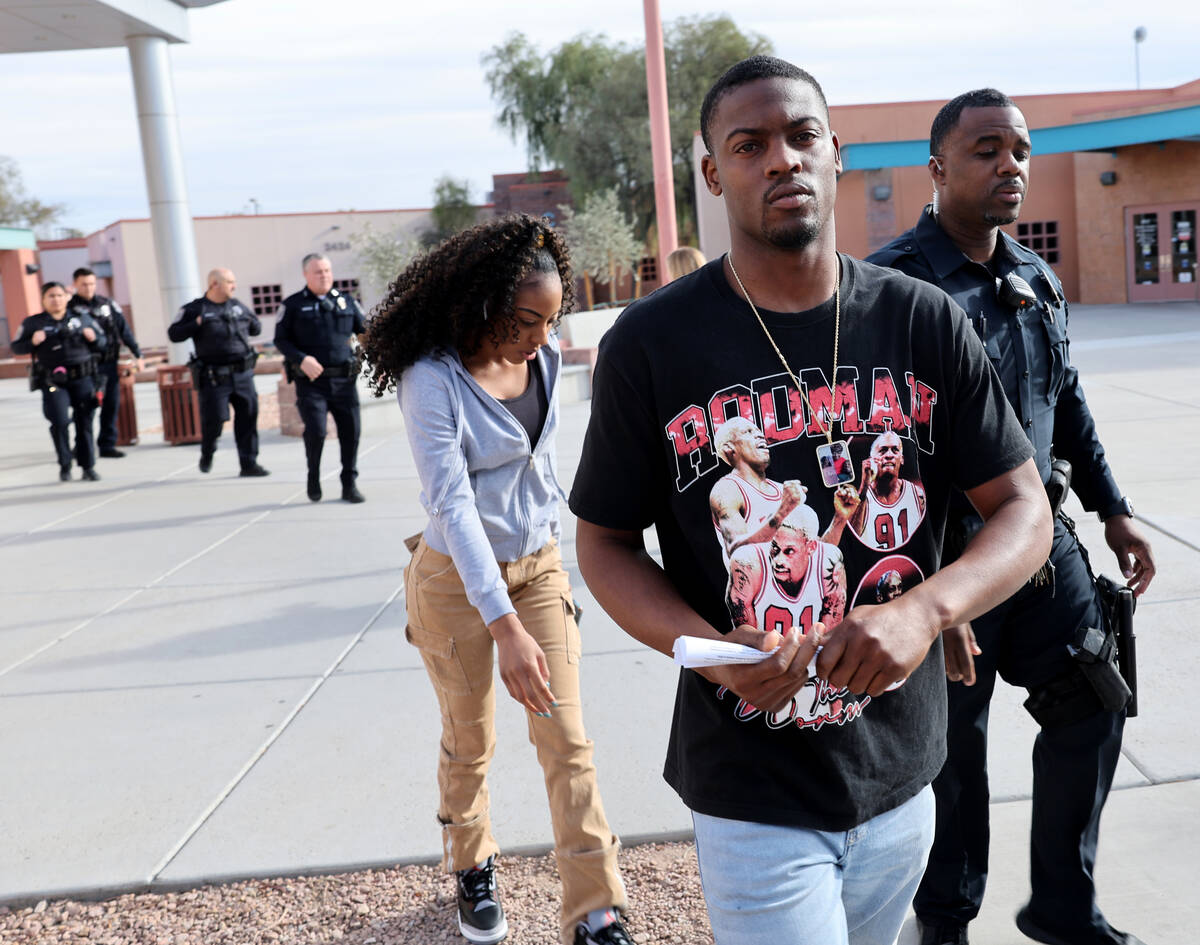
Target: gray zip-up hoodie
<point x="489" y="495"/>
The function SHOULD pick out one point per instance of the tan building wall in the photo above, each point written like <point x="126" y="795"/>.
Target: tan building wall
<point x="263" y="249"/>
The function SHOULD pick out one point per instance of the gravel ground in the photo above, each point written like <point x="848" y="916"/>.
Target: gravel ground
<point x="411" y="905"/>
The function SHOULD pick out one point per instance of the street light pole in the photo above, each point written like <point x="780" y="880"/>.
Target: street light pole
<point x="1139" y="35"/>
<point x="660" y="138"/>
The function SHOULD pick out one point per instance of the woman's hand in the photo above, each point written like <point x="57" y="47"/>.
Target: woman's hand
<point x="522" y="665"/>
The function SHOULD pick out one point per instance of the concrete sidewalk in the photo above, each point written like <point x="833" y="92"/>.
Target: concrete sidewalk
<point x="205" y="677"/>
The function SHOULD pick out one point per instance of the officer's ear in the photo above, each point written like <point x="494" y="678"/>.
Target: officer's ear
<point x="937" y="170"/>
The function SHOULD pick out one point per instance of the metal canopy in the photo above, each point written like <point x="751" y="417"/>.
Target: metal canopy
<point x="1172" y="124"/>
<point x="50" y="25"/>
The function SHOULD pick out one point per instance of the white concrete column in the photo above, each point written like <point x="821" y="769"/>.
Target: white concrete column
<point x="170" y="216"/>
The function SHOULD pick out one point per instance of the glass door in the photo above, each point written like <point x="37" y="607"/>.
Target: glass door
<point x="1161" y="252"/>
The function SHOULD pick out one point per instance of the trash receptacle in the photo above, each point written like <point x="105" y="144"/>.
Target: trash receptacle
<point x="180" y="405"/>
<point x="127" y="430"/>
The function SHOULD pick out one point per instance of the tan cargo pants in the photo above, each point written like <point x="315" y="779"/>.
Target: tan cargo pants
<point x="458" y="654"/>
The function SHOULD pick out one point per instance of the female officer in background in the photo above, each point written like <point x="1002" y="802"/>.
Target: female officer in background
<point x="64" y="368"/>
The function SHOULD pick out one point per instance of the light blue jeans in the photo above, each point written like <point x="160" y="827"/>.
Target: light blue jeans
<point x="794" y="886"/>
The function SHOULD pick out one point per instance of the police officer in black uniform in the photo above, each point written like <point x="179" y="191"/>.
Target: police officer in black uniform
<point x="108" y="315"/>
<point x="64" y="346"/>
<point x="223" y="368"/>
<point x="313" y="334"/>
<point x="979" y="163"/>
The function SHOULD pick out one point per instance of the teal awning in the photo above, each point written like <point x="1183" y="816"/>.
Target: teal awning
<point x="1086" y="136"/>
<point x="15" y="237"/>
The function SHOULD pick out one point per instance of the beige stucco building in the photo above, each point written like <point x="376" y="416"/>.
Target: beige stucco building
<point x="263" y="250"/>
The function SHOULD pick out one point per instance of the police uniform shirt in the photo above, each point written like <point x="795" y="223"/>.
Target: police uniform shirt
<point x="321" y="327"/>
<point x="108" y="315"/>
<point x="65" y="344"/>
<point x="221" y="337"/>
<point x="1028" y="348"/>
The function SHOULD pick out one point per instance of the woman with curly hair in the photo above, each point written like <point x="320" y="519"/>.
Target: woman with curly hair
<point x="466" y="334"/>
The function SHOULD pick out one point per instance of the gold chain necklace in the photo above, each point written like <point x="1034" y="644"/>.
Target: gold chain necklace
<point x="829" y="454"/>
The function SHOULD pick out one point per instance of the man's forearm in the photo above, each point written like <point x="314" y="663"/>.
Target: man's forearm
<point x="633" y="589"/>
<point x="1013" y="543"/>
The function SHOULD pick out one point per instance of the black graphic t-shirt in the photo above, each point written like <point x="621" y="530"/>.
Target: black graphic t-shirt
<point x="697" y="429"/>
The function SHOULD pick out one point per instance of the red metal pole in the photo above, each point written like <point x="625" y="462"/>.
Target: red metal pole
<point x="660" y="138"/>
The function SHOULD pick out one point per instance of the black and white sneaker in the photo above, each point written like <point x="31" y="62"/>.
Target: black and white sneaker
<point x="612" y="934"/>
<point x="480" y="916"/>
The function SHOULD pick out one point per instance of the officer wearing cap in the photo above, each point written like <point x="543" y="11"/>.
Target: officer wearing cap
<point x="223" y="368"/>
<point x="313" y="334"/>
<point x="108" y="315"/>
<point x="64" y="346"/>
<point x="979" y="165"/>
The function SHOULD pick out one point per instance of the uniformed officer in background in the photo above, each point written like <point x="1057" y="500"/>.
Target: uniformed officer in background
<point x="980" y="148"/>
<point x="223" y="368"/>
<point x="64" y="346"/>
<point x="108" y="315"/>
<point x="313" y="334"/>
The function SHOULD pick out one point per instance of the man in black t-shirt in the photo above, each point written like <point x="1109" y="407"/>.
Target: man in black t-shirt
<point x="822" y="783"/>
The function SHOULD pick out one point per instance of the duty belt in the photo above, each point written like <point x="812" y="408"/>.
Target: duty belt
<point x="75" y="371"/>
<point x="345" y="369"/>
<point x="215" y="372"/>
<point x="42" y="375"/>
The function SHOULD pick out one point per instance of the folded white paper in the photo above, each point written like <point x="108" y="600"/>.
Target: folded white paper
<point x="691" y="652"/>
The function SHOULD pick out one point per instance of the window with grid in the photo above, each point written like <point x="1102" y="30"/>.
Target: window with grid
<point x="266" y="299"/>
<point x="648" y="269"/>
<point x="1042" y="237"/>
<point x="349" y="287"/>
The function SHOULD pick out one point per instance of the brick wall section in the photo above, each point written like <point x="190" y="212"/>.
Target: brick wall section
<point x="881" y="214"/>
<point x="1146" y="173"/>
<point x="538" y="195"/>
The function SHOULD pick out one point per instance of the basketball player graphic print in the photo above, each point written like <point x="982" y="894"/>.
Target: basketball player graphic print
<point x="892" y="506"/>
<point x="746" y="505"/>
<point x="795" y="580"/>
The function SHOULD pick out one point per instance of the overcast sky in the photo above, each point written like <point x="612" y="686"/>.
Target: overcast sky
<point x="363" y="104"/>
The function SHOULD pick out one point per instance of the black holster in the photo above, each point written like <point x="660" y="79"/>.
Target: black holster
<point x="1058" y="485"/>
<point x="1118" y="603"/>
<point x="1096" y="654"/>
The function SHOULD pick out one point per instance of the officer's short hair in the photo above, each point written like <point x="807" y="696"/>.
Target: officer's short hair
<point x="947" y="118"/>
<point x="309" y="258"/>
<point x="751" y="70"/>
<point x="81" y="271"/>
<point x="52" y="285"/>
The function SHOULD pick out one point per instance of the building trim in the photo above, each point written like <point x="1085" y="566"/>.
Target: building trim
<point x="1104" y="135"/>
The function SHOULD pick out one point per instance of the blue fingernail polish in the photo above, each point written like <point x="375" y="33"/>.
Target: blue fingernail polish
<point x="555" y="704"/>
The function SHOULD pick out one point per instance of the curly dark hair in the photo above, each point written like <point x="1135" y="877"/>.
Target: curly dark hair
<point x="460" y="292"/>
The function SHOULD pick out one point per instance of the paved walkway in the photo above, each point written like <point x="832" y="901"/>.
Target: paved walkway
<point x="205" y="677"/>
